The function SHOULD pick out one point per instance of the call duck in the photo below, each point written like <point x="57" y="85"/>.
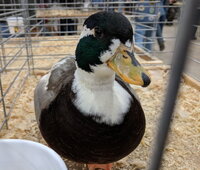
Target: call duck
<point x="85" y="108"/>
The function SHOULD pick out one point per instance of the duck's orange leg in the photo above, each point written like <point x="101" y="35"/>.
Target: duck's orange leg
<point x="100" y="166"/>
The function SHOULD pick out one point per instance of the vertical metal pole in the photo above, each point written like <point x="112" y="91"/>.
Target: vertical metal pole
<point x="25" y="16"/>
<point x="28" y="45"/>
<point x="179" y="58"/>
<point x="2" y="45"/>
<point x="3" y="103"/>
<point x="1" y="54"/>
<point x="155" y="25"/>
<point x="3" y="51"/>
<point x="2" y="65"/>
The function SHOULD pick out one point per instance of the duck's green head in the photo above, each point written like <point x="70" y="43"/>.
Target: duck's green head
<point x="107" y="40"/>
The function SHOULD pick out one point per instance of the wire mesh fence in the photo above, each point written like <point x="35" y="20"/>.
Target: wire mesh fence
<point x="15" y="54"/>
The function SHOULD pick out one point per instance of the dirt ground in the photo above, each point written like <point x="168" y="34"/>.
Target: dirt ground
<point x="182" y="151"/>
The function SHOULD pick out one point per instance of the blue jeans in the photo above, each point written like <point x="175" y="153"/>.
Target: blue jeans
<point x="159" y="31"/>
<point x="143" y="36"/>
<point x="4" y="30"/>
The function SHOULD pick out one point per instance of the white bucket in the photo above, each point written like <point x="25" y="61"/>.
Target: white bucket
<point x="16" y="154"/>
<point x="16" y="25"/>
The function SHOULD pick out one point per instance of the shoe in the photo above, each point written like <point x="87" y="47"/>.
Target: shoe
<point x="194" y="38"/>
<point x="161" y="46"/>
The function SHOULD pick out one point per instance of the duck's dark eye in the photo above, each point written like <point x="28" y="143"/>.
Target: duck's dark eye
<point x="98" y="32"/>
<point x="125" y="57"/>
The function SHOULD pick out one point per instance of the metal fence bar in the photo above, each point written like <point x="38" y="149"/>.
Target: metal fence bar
<point x="80" y="3"/>
<point x="179" y="59"/>
<point x="13" y="12"/>
<point x="14" y="101"/>
<point x="14" y="57"/>
<point x="13" y="81"/>
<point x="27" y="36"/>
<point x="20" y="46"/>
<point x="3" y="104"/>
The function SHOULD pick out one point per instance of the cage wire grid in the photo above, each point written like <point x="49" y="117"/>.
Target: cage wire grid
<point x="33" y="32"/>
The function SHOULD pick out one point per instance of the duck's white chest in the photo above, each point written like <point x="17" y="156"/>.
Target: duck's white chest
<point x="107" y="103"/>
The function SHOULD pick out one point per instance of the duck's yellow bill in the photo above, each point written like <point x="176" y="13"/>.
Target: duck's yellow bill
<point x="128" y="68"/>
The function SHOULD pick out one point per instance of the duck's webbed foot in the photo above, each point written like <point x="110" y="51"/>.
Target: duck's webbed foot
<point x="100" y="166"/>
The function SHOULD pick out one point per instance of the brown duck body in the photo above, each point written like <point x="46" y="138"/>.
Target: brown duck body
<point x="82" y="139"/>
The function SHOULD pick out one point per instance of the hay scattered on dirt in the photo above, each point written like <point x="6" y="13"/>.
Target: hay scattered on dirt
<point x="182" y="151"/>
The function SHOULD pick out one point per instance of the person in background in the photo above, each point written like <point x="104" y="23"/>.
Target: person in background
<point x="147" y="14"/>
<point x="98" y="4"/>
<point x="197" y="22"/>
<point x="171" y="12"/>
<point x="162" y="17"/>
<point x="161" y="20"/>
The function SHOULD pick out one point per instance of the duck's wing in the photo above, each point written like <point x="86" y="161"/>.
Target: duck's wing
<point x="50" y="84"/>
